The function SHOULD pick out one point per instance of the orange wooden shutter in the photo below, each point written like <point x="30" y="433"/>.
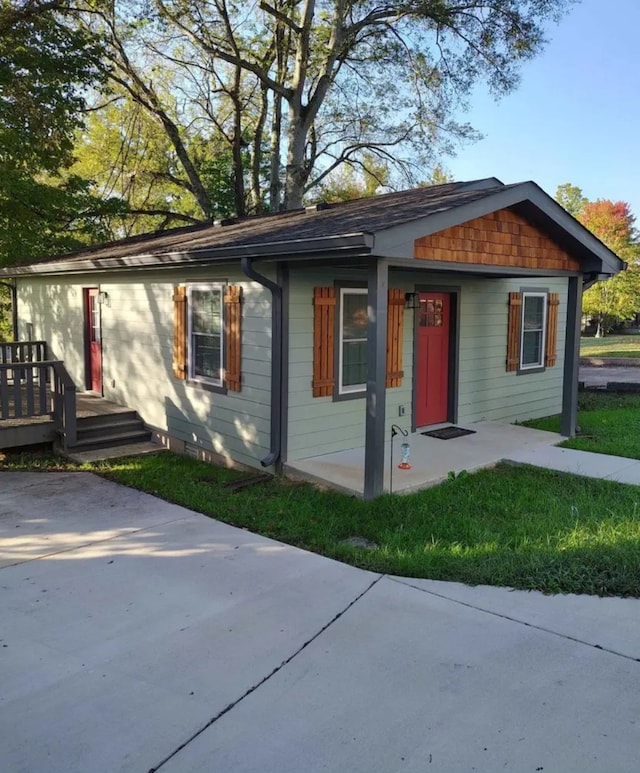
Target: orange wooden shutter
<point x="513" y="334"/>
<point x="180" y="332"/>
<point x="395" y="323"/>
<point x="324" y="315"/>
<point x="233" y="336"/>
<point x="553" y="301"/>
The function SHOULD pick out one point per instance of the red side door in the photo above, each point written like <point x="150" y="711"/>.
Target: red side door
<point x="93" y="338"/>
<point x="432" y="362"/>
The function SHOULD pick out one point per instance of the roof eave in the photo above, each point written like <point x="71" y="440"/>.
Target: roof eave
<point x="352" y="245"/>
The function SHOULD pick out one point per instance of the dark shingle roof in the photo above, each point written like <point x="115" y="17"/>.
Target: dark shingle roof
<point x="359" y="216"/>
<point x="346" y="228"/>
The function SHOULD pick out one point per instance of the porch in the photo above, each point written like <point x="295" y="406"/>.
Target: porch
<point x="432" y="459"/>
<point x="39" y="404"/>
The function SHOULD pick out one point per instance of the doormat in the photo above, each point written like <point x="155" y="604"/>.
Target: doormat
<point x="448" y="433"/>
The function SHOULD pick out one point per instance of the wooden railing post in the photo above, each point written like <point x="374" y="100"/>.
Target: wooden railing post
<point x="33" y="386"/>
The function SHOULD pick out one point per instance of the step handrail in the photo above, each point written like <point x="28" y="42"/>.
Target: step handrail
<point x="47" y="388"/>
<point x="64" y="403"/>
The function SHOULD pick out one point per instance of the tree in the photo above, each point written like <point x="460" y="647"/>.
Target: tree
<point x="44" y="64"/>
<point x="127" y="155"/>
<point x="570" y="197"/>
<point x="354" y="180"/>
<point x="307" y="82"/>
<point x="617" y="299"/>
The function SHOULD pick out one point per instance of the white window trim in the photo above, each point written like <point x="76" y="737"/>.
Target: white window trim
<point x="190" y="358"/>
<point x="351" y="388"/>
<point x="543" y="342"/>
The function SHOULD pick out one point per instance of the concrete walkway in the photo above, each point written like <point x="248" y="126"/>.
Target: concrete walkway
<point x="593" y="376"/>
<point x="585" y="463"/>
<point x="137" y="636"/>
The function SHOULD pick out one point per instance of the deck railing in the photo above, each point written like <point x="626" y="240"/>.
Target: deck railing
<point x="23" y="351"/>
<point x="41" y="388"/>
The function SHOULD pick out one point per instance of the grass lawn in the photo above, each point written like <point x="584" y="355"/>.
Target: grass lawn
<point x="515" y="526"/>
<point x="611" y="346"/>
<point x="609" y="424"/>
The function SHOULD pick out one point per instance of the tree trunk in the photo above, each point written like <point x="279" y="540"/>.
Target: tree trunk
<point x="238" y="167"/>
<point x="274" y="170"/>
<point x="297" y="173"/>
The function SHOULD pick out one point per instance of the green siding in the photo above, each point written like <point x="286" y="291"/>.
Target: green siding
<point x="486" y="391"/>
<point x="137" y="332"/>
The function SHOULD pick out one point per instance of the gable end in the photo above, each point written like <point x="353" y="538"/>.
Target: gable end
<point x="501" y="238"/>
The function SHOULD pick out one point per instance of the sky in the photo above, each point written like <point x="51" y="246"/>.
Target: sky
<point x="575" y="116"/>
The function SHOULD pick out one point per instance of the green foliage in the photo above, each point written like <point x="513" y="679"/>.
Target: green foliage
<point x="353" y="181"/>
<point x="6" y="329"/>
<point x="299" y="89"/>
<point x="44" y="65"/>
<point x="128" y="157"/>
<point x="617" y="299"/>
<point x="570" y="197"/>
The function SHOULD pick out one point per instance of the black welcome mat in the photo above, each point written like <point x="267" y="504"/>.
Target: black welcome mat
<point x="448" y="433"/>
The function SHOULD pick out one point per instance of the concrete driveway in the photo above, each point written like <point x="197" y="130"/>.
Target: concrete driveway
<point x="137" y="636"/>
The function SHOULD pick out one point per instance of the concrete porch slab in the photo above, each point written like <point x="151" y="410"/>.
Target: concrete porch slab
<point x="432" y="459"/>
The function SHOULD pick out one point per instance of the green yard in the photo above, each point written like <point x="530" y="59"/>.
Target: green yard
<point x="515" y="526"/>
<point x="611" y="346"/>
<point x="608" y="423"/>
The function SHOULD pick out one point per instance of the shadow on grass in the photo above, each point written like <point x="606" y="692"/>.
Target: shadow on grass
<point x="521" y="527"/>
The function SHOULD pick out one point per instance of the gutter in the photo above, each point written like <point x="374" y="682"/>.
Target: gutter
<point x="273" y="457"/>
<point x="358" y="244"/>
<point x="13" y="288"/>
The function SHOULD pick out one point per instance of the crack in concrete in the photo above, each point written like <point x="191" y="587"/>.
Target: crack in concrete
<point x="266" y="678"/>
<point x="504" y="616"/>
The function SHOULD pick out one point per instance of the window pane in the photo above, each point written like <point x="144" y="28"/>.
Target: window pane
<point x="532" y="347"/>
<point x="533" y="312"/>
<point x="205" y="310"/>
<point x="354" y="316"/>
<point x="354" y="363"/>
<point x="206" y="356"/>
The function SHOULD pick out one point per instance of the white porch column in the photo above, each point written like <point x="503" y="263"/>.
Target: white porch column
<point x="378" y="286"/>
<point x="571" y="358"/>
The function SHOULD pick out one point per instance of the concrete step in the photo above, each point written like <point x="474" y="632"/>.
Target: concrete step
<point x="112" y="440"/>
<point x="114" y="452"/>
<point x="106" y="419"/>
<point x="115" y="427"/>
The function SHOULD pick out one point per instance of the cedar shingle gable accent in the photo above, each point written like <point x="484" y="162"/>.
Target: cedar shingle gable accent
<point x="502" y="238"/>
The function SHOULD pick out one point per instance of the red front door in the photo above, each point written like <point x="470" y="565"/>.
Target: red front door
<point x="432" y="362"/>
<point x="93" y="336"/>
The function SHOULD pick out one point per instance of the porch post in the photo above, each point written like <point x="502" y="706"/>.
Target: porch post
<point x="377" y="286"/>
<point x="571" y="358"/>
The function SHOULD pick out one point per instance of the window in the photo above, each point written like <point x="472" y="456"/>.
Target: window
<point x="352" y="367"/>
<point x="340" y="341"/>
<point x="532" y="343"/>
<point x="205" y="320"/>
<point x="207" y="335"/>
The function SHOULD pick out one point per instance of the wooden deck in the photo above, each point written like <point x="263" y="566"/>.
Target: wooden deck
<point x="31" y="430"/>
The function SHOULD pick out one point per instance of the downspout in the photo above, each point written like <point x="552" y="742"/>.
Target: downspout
<point x="276" y="359"/>
<point x="14" y="306"/>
